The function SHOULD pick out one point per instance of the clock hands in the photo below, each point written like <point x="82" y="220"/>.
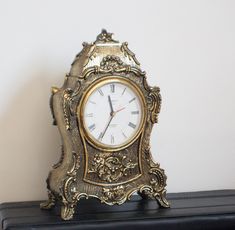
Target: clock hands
<point x="112" y="114"/>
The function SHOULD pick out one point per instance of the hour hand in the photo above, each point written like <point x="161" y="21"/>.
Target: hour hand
<point x="111" y="105"/>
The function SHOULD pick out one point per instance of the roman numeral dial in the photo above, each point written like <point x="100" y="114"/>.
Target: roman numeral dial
<point x="113" y="113"/>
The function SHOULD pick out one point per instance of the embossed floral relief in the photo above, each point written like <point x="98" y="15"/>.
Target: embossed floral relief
<point x="115" y="195"/>
<point x="111" y="168"/>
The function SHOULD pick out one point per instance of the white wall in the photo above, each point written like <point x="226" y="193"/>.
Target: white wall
<point x="186" y="47"/>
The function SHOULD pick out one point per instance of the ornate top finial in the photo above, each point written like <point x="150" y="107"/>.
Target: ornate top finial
<point x="104" y="37"/>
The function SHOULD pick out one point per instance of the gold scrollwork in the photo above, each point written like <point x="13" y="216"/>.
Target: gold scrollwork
<point x="111" y="64"/>
<point x="128" y="53"/>
<point x="67" y="100"/>
<point x="158" y="183"/>
<point x="54" y="90"/>
<point x="69" y="202"/>
<point x="67" y="209"/>
<point x="75" y="164"/>
<point x="111" y="168"/>
<point x="155" y="100"/>
<point x="71" y="177"/>
<point x="156" y="187"/>
<point x="114" y="195"/>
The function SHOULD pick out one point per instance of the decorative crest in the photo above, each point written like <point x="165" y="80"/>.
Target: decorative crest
<point x="104" y="37"/>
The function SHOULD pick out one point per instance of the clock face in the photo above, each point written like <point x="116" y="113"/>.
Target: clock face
<point x="113" y="113"/>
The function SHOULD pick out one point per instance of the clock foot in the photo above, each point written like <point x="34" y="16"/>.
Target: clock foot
<point x="67" y="211"/>
<point x="161" y="199"/>
<point x="155" y="189"/>
<point x="50" y="203"/>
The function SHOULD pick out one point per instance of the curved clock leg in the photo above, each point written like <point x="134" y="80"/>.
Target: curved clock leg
<point x="67" y="211"/>
<point x="161" y="199"/>
<point x="50" y="203"/>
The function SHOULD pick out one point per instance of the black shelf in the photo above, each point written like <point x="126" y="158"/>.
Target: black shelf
<point x="189" y="211"/>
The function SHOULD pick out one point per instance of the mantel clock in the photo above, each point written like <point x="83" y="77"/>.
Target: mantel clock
<point x="105" y="111"/>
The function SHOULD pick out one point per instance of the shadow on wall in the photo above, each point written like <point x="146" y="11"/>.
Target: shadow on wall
<point x="30" y="145"/>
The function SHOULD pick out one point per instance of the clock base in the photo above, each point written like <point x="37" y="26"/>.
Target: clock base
<point x="68" y="209"/>
<point x="155" y="189"/>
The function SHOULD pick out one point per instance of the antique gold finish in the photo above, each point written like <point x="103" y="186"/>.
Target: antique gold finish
<point x="86" y="167"/>
<point x="54" y="90"/>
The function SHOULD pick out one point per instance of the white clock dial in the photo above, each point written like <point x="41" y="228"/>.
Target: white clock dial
<point x="112" y="113"/>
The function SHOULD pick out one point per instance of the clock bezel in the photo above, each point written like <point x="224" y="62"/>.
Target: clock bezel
<point x="80" y="112"/>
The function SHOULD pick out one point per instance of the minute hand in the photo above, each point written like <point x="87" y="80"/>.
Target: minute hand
<point x="106" y="127"/>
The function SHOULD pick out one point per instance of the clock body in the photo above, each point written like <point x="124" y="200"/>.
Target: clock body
<point x="105" y="112"/>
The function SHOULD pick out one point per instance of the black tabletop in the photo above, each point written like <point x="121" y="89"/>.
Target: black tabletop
<point x="192" y="210"/>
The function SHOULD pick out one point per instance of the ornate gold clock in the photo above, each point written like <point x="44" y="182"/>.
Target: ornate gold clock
<point x="105" y="112"/>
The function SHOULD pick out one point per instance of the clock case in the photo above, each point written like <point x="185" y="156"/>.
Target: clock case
<point x="85" y="170"/>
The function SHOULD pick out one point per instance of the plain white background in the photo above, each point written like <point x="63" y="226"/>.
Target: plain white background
<point x="186" y="47"/>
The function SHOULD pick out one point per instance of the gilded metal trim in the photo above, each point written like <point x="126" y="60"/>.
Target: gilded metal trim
<point x="67" y="99"/>
<point x="128" y="53"/>
<point x="54" y="90"/>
